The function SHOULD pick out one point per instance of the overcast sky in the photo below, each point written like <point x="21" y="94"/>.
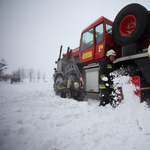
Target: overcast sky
<point x="32" y="31"/>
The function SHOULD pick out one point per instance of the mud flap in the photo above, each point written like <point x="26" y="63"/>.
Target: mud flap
<point x="136" y="81"/>
<point x="119" y="93"/>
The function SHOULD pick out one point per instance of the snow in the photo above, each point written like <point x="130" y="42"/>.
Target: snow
<point x="32" y="117"/>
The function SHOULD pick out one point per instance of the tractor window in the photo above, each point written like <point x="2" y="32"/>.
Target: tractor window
<point x="99" y="33"/>
<point x="109" y="29"/>
<point x="87" y="40"/>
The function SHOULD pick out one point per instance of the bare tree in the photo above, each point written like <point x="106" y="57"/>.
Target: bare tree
<point x="34" y="74"/>
<point x="3" y="65"/>
<point x="30" y="74"/>
<point x="6" y="77"/>
<point x="44" y="76"/>
<point x="14" y="74"/>
<point x="38" y="75"/>
<point x="23" y="74"/>
<point x="17" y="73"/>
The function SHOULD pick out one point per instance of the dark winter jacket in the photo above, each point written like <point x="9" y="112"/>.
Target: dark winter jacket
<point x="105" y="68"/>
<point x="67" y="90"/>
<point x="67" y="84"/>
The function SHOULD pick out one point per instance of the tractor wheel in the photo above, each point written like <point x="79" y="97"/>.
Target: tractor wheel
<point x="58" y="79"/>
<point x="131" y="25"/>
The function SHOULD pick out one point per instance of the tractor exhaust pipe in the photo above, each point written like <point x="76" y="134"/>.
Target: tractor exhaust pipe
<point x="60" y="53"/>
<point x="67" y="53"/>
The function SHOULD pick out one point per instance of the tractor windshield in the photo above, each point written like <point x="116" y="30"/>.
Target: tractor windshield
<point x="87" y="40"/>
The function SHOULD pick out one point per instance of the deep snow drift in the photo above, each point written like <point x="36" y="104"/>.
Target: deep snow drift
<point x="32" y="117"/>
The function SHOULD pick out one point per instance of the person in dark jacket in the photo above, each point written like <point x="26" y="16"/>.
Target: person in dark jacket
<point x="105" y="79"/>
<point x="71" y="89"/>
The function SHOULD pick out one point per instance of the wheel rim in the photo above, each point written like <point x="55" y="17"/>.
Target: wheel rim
<point x="127" y="25"/>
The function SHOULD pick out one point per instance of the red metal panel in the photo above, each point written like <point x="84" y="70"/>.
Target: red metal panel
<point x="136" y="81"/>
<point x="100" y="51"/>
<point x="87" y="55"/>
<point x="97" y="52"/>
<point x="74" y="53"/>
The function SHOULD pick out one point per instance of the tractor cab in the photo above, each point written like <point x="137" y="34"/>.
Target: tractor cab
<point x="95" y="40"/>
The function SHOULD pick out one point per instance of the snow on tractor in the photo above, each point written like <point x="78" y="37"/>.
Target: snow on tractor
<point x="128" y="35"/>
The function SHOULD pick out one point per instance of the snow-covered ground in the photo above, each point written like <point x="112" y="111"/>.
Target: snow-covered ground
<point x="32" y="117"/>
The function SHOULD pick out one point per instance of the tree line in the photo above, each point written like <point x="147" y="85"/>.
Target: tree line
<point x="21" y="73"/>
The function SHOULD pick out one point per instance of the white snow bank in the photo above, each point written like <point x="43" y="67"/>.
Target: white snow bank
<point x="32" y="117"/>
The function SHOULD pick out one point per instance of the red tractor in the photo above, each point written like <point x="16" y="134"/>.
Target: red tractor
<point x="128" y="35"/>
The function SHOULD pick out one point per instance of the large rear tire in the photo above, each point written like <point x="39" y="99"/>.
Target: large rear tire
<point x="131" y="25"/>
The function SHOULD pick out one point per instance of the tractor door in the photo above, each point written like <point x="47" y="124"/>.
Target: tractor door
<point x="103" y="40"/>
<point x="100" y="42"/>
<point x="95" y="40"/>
<point x="93" y="44"/>
<point x="87" y="46"/>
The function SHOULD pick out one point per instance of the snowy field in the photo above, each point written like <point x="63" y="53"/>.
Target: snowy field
<point x="32" y="117"/>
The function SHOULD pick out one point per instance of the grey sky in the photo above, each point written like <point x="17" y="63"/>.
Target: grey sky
<point x="31" y="31"/>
